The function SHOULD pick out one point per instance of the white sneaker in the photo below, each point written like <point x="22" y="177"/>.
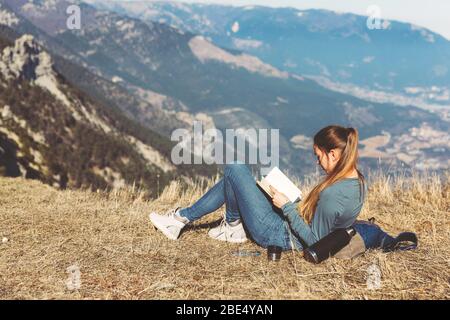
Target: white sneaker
<point x="226" y="232"/>
<point x="168" y="224"/>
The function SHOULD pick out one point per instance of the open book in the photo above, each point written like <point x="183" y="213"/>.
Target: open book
<point x="279" y="181"/>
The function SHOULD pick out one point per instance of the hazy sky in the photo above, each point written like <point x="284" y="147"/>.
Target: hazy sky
<point x="432" y="14"/>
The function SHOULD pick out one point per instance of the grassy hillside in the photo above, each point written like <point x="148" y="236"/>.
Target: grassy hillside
<point x="121" y="256"/>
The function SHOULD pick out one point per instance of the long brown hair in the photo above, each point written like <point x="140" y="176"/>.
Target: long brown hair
<point x="328" y="138"/>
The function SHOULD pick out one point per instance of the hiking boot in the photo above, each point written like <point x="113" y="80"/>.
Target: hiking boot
<point x="170" y="224"/>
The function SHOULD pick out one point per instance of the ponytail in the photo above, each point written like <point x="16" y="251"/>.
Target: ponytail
<point x="333" y="137"/>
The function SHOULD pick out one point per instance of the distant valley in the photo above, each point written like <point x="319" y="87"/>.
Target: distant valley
<point x="159" y="75"/>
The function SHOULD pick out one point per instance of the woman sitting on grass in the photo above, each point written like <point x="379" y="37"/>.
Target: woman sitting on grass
<point x="334" y="203"/>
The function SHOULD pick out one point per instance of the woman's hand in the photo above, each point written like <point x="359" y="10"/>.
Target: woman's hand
<point x="279" y="199"/>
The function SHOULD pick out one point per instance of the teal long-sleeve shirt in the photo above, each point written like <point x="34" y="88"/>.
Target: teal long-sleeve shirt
<point x="338" y="207"/>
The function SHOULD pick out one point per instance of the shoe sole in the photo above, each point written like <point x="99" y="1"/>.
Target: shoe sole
<point x="229" y="240"/>
<point x="161" y="228"/>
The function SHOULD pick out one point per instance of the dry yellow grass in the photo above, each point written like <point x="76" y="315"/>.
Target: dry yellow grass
<point x="120" y="255"/>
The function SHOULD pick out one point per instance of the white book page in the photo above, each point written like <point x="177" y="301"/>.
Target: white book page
<point x="281" y="182"/>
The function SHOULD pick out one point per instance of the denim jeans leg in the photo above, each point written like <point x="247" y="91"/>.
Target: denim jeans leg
<point x="222" y="192"/>
<point x="232" y="207"/>
<point x="209" y="202"/>
<point x="264" y="224"/>
<point x="244" y="199"/>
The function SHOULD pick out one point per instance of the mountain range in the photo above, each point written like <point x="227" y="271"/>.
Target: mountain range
<point x="340" y="47"/>
<point x="160" y="75"/>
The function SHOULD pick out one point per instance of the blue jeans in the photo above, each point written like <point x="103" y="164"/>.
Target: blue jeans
<point x="244" y="200"/>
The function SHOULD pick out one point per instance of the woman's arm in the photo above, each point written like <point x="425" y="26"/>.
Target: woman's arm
<point x="322" y="224"/>
<point x="297" y="224"/>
